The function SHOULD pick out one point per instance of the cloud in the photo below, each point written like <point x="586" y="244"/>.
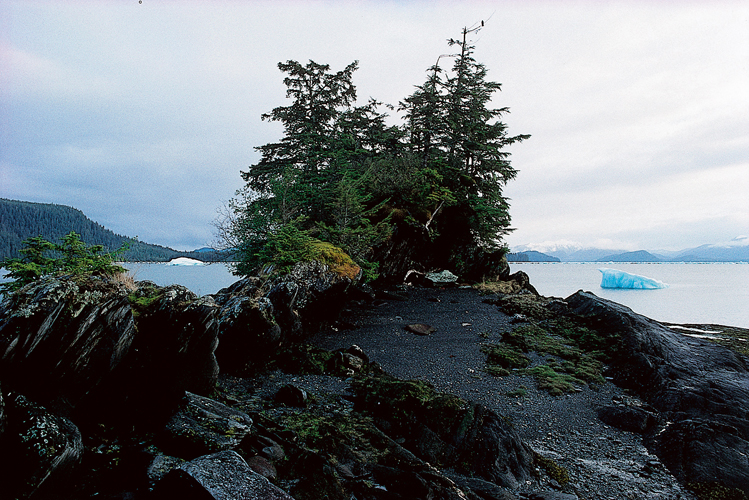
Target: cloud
<point x="142" y="115"/>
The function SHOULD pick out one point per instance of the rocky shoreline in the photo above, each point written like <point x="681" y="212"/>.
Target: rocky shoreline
<point x="265" y="391"/>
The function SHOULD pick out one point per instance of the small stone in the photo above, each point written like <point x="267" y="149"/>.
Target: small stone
<point x="421" y="329"/>
<point x="291" y="395"/>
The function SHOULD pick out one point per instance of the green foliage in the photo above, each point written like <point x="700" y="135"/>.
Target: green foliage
<point x="553" y="469"/>
<point x="716" y="491"/>
<point x="570" y="364"/>
<point x="342" y="175"/>
<point x="505" y="356"/>
<point x="42" y="258"/>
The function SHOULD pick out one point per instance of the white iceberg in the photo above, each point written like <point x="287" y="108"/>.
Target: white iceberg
<point x="184" y="261"/>
<point x="614" y="278"/>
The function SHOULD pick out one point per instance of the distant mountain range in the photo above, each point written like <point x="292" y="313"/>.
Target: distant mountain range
<point x="736" y="250"/>
<point x="20" y="220"/>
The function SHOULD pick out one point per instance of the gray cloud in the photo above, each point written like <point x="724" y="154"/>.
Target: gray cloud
<point x="142" y="115"/>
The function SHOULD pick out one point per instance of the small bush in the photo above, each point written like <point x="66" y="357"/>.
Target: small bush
<point x="41" y="258"/>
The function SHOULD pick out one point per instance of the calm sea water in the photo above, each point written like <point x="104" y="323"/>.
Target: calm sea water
<point x="202" y="280"/>
<point x="697" y="293"/>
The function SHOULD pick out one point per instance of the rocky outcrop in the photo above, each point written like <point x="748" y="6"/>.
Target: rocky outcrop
<point x="220" y="476"/>
<point x="700" y="388"/>
<point x="95" y="351"/>
<point x="202" y="425"/>
<point x="440" y="428"/>
<point x="248" y="334"/>
<point x="309" y="295"/>
<point x="38" y="449"/>
<point x="60" y="338"/>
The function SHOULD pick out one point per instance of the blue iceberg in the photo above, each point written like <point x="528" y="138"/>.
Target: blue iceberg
<point x="613" y="278"/>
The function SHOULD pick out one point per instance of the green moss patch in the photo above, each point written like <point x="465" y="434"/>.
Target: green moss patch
<point x="404" y="401"/>
<point x="574" y="354"/>
<point x="553" y="469"/>
<point x="716" y="491"/>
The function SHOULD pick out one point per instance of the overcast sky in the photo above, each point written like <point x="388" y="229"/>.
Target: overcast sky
<point x="143" y="114"/>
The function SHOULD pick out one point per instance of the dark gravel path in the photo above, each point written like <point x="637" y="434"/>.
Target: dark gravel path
<point x="603" y="462"/>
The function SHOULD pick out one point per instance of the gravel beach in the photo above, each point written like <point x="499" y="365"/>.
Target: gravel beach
<point x="603" y="462"/>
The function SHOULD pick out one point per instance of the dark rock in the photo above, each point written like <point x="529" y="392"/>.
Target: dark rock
<point x="160" y="466"/>
<point x="551" y="495"/>
<point x="265" y="446"/>
<point x="484" y="489"/>
<point x="494" y="450"/>
<point x="60" y="338"/>
<point x="421" y="329"/>
<point x="38" y="450"/>
<point x="705" y="451"/>
<point x="2" y="413"/>
<point x="203" y="425"/>
<point x="94" y="351"/>
<point x="406" y="483"/>
<point x="357" y="351"/>
<point x="442" y="428"/>
<point x="699" y="387"/>
<point x="262" y="466"/>
<point x="248" y="335"/>
<point x="291" y="395"/>
<point x="221" y="476"/>
<point x="309" y="295"/>
<point x="628" y="418"/>
<point x="316" y="478"/>
<point x="246" y="287"/>
<point x="178" y="335"/>
<point x="348" y="361"/>
<point x="523" y="281"/>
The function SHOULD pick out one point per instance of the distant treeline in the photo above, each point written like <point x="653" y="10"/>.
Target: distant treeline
<point x="20" y="220"/>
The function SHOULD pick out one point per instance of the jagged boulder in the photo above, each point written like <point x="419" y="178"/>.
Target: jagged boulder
<point x="310" y="294"/>
<point x="2" y="413"/>
<point x="220" y="476"/>
<point x="92" y="349"/>
<point x="173" y="352"/>
<point x="39" y="448"/>
<point x="700" y="388"/>
<point x="202" y="425"/>
<point x="248" y="335"/>
<point x="442" y="428"/>
<point x="59" y="338"/>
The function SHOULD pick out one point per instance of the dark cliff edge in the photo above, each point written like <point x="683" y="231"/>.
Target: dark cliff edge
<point x="153" y="392"/>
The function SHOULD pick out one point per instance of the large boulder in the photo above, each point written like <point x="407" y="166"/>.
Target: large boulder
<point x="248" y="333"/>
<point x="312" y="293"/>
<point x="39" y="448"/>
<point x="220" y="476"/>
<point x="59" y="338"/>
<point x="441" y="428"/>
<point x="173" y="352"/>
<point x="700" y="388"/>
<point x="92" y="349"/>
<point x="202" y="425"/>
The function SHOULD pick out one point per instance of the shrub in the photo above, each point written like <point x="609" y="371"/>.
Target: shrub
<point x="41" y="258"/>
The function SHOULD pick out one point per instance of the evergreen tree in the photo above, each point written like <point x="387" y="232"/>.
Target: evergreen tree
<point x="340" y="174"/>
<point x="313" y="178"/>
<point x="461" y="140"/>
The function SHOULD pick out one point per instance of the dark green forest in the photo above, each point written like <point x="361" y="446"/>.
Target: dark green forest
<point x="20" y="220"/>
<point x="424" y="194"/>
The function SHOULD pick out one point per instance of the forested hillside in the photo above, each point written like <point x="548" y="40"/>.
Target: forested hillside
<point x="20" y="220"/>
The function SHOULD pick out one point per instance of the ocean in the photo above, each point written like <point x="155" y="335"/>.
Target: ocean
<point x="716" y="293"/>
<point x="697" y="293"/>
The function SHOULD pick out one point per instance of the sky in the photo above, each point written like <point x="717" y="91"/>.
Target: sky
<point x="142" y="115"/>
